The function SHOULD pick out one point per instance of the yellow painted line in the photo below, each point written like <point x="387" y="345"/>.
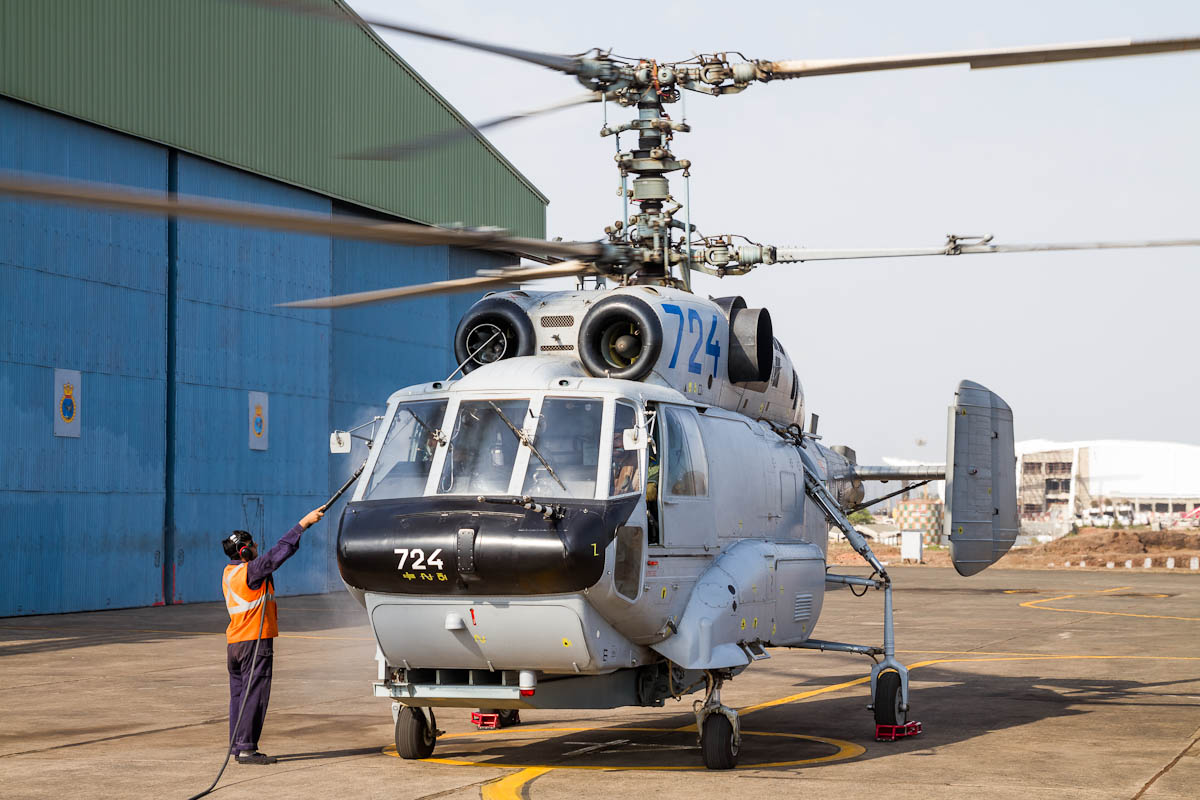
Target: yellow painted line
<point x="843" y="750"/>
<point x="1116" y="589"/>
<point x="803" y="695"/>
<point x="1018" y="657"/>
<point x="510" y="786"/>
<point x="1035" y="605"/>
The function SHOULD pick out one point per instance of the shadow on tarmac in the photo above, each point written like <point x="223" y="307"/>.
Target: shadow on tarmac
<point x="960" y="708"/>
<point x="335" y="615"/>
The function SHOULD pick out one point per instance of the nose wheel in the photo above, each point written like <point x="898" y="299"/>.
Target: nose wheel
<point x="416" y="732"/>
<point x="718" y="726"/>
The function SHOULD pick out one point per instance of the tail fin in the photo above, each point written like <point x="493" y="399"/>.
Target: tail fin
<point x="981" y="479"/>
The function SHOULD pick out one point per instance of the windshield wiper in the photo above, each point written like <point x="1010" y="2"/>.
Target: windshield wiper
<point x="436" y="434"/>
<point x="525" y="440"/>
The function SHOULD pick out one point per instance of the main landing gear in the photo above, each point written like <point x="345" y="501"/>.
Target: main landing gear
<point x="717" y="725"/>
<point x="889" y="678"/>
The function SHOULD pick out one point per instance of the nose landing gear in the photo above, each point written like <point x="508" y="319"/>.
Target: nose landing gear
<point x="416" y="732"/>
<point x="717" y="726"/>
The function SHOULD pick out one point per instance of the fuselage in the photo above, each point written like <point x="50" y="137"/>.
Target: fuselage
<point x="649" y="490"/>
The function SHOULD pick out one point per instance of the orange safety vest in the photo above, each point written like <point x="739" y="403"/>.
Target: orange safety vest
<point x="245" y="606"/>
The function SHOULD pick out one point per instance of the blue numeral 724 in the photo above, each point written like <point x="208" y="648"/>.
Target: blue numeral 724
<point x="711" y="346"/>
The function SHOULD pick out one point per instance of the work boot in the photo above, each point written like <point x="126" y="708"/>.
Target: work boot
<point x="255" y="757"/>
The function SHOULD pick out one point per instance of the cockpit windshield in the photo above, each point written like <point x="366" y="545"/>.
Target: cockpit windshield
<point x="406" y="454"/>
<point x="483" y="447"/>
<point x="568" y="439"/>
<point x="545" y="447"/>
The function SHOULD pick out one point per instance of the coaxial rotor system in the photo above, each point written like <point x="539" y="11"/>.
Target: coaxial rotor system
<point x="649" y="245"/>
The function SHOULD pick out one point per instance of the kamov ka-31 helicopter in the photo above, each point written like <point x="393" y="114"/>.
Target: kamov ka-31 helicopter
<point x="618" y="502"/>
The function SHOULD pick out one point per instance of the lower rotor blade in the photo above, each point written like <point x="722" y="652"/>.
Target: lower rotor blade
<point x="256" y="216"/>
<point x="506" y="277"/>
<point x="957" y="247"/>
<point x="413" y="147"/>
<point x="980" y="59"/>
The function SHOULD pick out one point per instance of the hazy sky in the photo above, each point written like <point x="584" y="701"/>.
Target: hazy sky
<point x="1082" y="345"/>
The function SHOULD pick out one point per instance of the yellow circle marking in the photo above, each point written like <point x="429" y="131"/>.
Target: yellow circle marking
<point x="845" y="751"/>
<point x="566" y="642"/>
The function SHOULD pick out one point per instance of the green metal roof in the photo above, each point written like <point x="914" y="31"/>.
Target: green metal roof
<point x="278" y="94"/>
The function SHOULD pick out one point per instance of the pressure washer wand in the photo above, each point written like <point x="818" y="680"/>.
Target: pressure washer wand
<point x="345" y="486"/>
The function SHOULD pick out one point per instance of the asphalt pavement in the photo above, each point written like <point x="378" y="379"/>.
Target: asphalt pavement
<point x="1028" y="684"/>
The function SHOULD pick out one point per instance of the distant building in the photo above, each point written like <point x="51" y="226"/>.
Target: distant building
<point x="923" y="514"/>
<point x="1136" y="483"/>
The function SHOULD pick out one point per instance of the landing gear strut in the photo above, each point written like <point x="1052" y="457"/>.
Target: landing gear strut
<point x="717" y="725"/>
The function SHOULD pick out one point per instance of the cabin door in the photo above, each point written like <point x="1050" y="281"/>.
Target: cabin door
<point x="683" y="505"/>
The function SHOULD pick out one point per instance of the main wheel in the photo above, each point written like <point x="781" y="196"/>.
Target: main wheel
<point x="414" y="736"/>
<point x="888" y="699"/>
<point x="716" y="743"/>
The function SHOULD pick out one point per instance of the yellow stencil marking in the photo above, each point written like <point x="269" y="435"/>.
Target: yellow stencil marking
<point x="566" y="642"/>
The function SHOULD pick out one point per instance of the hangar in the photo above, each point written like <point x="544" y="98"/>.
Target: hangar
<point x="152" y="396"/>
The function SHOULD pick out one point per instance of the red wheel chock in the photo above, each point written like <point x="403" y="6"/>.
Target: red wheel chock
<point x="890" y="733"/>
<point x="485" y="722"/>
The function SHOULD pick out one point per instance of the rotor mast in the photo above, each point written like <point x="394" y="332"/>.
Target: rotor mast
<point x="650" y="228"/>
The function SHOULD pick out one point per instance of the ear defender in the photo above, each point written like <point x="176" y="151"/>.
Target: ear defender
<point x="237" y="544"/>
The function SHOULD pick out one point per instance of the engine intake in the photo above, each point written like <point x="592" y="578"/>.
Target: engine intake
<point x="493" y="329"/>
<point x="620" y="337"/>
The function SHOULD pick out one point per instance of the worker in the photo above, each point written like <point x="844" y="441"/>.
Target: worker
<point x="249" y="592"/>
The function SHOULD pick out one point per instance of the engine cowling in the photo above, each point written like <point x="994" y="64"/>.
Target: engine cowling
<point x="750" y="341"/>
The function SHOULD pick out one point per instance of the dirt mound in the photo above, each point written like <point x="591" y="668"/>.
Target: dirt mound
<point x="1103" y="541"/>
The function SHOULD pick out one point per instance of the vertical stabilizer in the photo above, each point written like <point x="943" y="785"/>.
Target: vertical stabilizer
<point x="981" y="479"/>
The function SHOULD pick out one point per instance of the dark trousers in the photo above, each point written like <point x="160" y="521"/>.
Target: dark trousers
<point x="257" y="692"/>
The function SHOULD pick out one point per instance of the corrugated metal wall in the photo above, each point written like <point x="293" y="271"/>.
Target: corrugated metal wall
<point x="283" y="95"/>
<point x="86" y="523"/>
<point x="81" y="520"/>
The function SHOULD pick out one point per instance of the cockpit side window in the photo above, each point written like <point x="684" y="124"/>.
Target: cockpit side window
<point x="406" y="454"/>
<point x="626" y="464"/>
<point x="687" y="464"/>
<point x="483" y="446"/>
<point x="568" y="438"/>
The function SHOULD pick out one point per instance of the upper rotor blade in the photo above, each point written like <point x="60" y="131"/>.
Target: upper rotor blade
<point x="257" y="216"/>
<point x="562" y="63"/>
<point x="959" y="247"/>
<point x="413" y="147"/>
<point x="981" y="59"/>
<point x="505" y="277"/>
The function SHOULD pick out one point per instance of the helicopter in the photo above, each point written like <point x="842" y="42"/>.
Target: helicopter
<point x="619" y="502"/>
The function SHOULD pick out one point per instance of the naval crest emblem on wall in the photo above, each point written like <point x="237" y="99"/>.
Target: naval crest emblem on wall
<point x="66" y="405"/>
<point x="258" y="421"/>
